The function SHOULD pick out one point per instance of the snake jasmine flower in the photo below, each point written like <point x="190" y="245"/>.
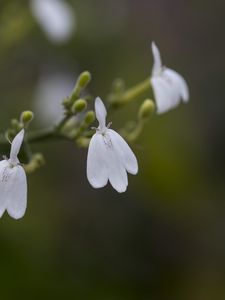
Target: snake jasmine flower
<point x="169" y="87"/>
<point x="109" y="156"/>
<point x="13" y="182"/>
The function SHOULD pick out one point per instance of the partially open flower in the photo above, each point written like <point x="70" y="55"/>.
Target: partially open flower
<point x="13" y="182"/>
<point x="169" y="87"/>
<point x="109" y="156"/>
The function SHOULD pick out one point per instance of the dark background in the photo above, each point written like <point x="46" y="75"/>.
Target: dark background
<point x="165" y="237"/>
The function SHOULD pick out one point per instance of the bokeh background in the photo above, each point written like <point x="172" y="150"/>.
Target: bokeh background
<point x="165" y="237"/>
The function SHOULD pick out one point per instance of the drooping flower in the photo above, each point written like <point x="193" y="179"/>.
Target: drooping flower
<point x="13" y="182"/>
<point x="169" y="87"/>
<point x="109" y="156"/>
<point x="56" y="18"/>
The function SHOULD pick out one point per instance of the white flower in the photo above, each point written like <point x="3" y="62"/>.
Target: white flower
<point x="169" y="87"/>
<point x="109" y="156"/>
<point x="13" y="182"/>
<point x="56" y="18"/>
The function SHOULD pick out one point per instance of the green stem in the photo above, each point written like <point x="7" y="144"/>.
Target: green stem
<point x="133" y="135"/>
<point x="41" y="135"/>
<point x="62" y="123"/>
<point x="37" y="136"/>
<point x="132" y="93"/>
<point x="53" y="133"/>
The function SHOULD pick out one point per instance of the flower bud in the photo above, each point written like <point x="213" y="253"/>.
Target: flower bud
<point x="83" y="142"/>
<point x="26" y="116"/>
<point x="79" y="105"/>
<point x="81" y="83"/>
<point x="146" y="109"/>
<point x="66" y="102"/>
<point x="39" y="159"/>
<point x="89" y="117"/>
<point x="84" y="79"/>
<point x="118" y="86"/>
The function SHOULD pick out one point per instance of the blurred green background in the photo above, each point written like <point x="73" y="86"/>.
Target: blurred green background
<point x="165" y="237"/>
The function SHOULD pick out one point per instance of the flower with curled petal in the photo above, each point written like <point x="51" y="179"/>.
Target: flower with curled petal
<point x="109" y="156"/>
<point x="13" y="182"/>
<point x="169" y="87"/>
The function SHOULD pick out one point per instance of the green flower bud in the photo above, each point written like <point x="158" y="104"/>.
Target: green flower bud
<point x="39" y="159"/>
<point x="118" y="86"/>
<point x="84" y="79"/>
<point x="79" y="105"/>
<point x="83" y="142"/>
<point x="89" y="117"/>
<point x="66" y="102"/>
<point x="146" y="109"/>
<point x="26" y="116"/>
<point x="81" y="83"/>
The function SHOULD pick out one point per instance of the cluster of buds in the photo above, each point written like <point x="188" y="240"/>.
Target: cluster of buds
<point x="109" y="156"/>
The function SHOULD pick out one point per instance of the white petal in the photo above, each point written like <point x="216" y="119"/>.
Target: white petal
<point x="16" y="192"/>
<point x="100" y="112"/>
<point x="157" y="63"/>
<point x="105" y="164"/>
<point x="169" y="89"/>
<point x="3" y="186"/>
<point x="116" y="169"/>
<point x="127" y="156"/>
<point x="97" y="171"/>
<point x="56" y="18"/>
<point x="15" y="147"/>
<point x="165" y="96"/>
<point x="179" y="82"/>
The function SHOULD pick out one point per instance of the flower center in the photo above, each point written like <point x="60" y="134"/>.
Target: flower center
<point x="103" y="130"/>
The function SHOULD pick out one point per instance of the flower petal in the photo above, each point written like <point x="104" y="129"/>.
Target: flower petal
<point x="125" y="153"/>
<point x="157" y="63"/>
<point x="97" y="171"/>
<point x="100" y="112"/>
<point x="15" y="147"/>
<point x="3" y="186"/>
<point x="104" y="164"/>
<point x="16" y="188"/>
<point x="117" y="173"/>
<point x="56" y="18"/>
<point x="165" y="96"/>
<point x="169" y="89"/>
<point x="116" y="170"/>
<point x="180" y="83"/>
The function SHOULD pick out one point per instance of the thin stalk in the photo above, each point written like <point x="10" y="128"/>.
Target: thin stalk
<point x="131" y="93"/>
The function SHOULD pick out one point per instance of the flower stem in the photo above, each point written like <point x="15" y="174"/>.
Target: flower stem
<point x="56" y="133"/>
<point x="130" y="94"/>
<point x="62" y="123"/>
<point x="41" y="135"/>
<point x="53" y="133"/>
